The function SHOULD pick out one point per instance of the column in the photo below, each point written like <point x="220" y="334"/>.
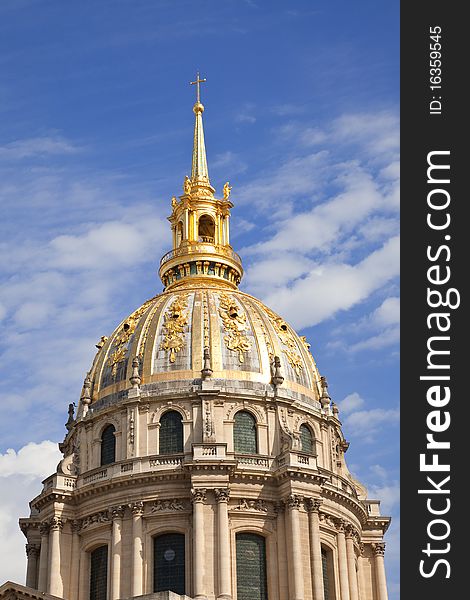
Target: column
<point x="326" y="445"/>
<point x="198" y="498"/>
<point x="84" y="587"/>
<point x="379" y="551"/>
<point x="32" y="552"/>
<point x="55" y="586"/>
<point x="281" y="550"/>
<point x="43" y="557"/>
<point x="342" y="560"/>
<point x="351" y="555"/>
<point x="75" y="562"/>
<point x="227" y="230"/>
<point x="137" y="558"/>
<point x="295" y="552"/>
<point x="223" y="539"/>
<point x="116" y="548"/>
<point x="313" y="506"/>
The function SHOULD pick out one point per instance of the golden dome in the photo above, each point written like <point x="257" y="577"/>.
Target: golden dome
<point x="202" y="326"/>
<point x="168" y="334"/>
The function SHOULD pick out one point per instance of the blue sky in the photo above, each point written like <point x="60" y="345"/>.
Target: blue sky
<point x="95" y="137"/>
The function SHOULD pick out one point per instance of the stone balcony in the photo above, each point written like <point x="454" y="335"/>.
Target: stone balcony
<point x="201" y="453"/>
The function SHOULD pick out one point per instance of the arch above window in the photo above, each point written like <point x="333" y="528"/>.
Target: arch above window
<point x="108" y="445"/>
<point x="245" y="438"/>
<point x="171" y="433"/>
<point x="306" y="439"/>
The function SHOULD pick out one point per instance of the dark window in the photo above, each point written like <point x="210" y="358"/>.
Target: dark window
<point x="244" y="434"/>
<point x="206" y="229"/>
<point x="99" y="573"/>
<point x="251" y="567"/>
<point x="306" y="439"/>
<point x="171" y="433"/>
<point x="168" y="563"/>
<point x="108" y="445"/>
<point x="326" y="580"/>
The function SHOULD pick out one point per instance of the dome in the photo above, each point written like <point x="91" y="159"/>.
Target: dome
<point x="169" y="333"/>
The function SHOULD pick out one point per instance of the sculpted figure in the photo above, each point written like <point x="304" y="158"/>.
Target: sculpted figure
<point x="227" y="190"/>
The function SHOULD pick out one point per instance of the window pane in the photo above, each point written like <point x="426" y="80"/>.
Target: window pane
<point x="244" y="433"/>
<point x="306" y="439"/>
<point x="168" y="563"/>
<point x="99" y="573"/>
<point x="171" y="433"/>
<point x="326" y="583"/>
<point x="251" y="567"/>
<point x="108" y="445"/>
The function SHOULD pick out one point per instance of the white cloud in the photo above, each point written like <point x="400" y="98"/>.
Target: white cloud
<point x="21" y="473"/>
<point x="37" y="147"/>
<point x="388" y="313"/>
<point x="329" y="288"/>
<point x="351" y="402"/>
<point x="35" y="460"/>
<point x="366" y="424"/>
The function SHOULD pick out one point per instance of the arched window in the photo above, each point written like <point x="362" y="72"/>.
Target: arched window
<point x="244" y="433"/>
<point x="328" y="574"/>
<point x="168" y="563"/>
<point x="251" y="567"/>
<point x="306" y="439"/>
<point x="99" y="573"/>
<point x="108" y="445"/>
<point x="179" y="234"/>
<point x="206" y="229"/>
<point x="171" y="433"/>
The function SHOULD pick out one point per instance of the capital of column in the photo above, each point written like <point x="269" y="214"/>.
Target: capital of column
<point x="198" y="495"/>
<point x="379" y="548"/>
<point x="32" y="550"/>
<point x="222" y="494"/>
<point x="340" y="525"/>
<point x="56" y="523"/>
<point x="294" y="501"/>
<point x="350" y="531"/>
<point x="137" y="508"/>
<point x="117" y="512"/>
<point x="313" y="504"/>
<point x="76" y="525"/>
<point x="44" y="528"/>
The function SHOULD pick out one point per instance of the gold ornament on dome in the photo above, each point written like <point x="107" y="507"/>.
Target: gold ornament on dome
<point x="187" y="185"/>
<point x="235" y="325"/>
<point x="175" y="320"/>
<point x="123" y="336"/>
<point x="288" y="339"/>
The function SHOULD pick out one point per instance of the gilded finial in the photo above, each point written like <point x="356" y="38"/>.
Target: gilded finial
<point x="187" y="185"/>
<point x="227" y="190"/>
<point x="174" y="202"/>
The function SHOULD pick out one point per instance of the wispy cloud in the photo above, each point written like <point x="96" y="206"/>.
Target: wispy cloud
<point x="37" y="147"/>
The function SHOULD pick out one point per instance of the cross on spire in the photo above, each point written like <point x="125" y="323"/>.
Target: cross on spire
<point x="196" y="83"/>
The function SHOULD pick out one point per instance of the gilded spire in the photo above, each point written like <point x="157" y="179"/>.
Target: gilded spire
<point x="200" y="224"/>
<point x="199" y="171"/>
